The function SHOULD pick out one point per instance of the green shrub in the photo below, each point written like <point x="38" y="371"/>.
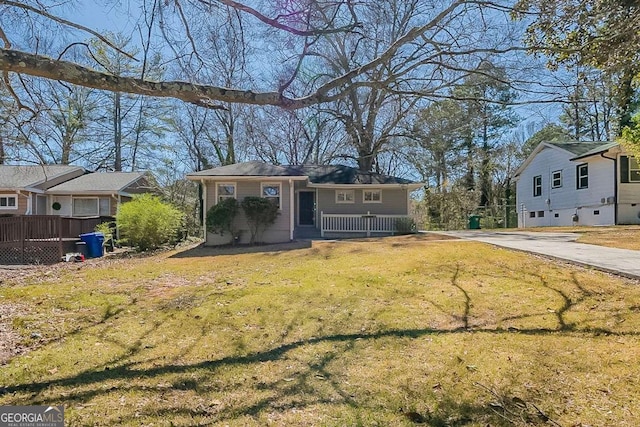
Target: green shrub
<point x="109" y="233"/>
<point x="220" y="216"/>
<point x="147" y="222"/>
<point x="260" y="213"/>
<point x="405" y="226"/>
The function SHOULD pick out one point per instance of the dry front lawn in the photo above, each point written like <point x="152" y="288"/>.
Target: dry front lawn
<point x="356" y="333"/>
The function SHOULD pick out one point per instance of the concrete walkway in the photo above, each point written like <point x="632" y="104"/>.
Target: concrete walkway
<point x="622" y="262"/>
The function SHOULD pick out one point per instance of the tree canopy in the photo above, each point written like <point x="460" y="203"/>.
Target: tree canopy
<point x="426" y="49"/>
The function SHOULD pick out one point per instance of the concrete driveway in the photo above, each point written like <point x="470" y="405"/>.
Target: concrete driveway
<point x="563" y="246"/>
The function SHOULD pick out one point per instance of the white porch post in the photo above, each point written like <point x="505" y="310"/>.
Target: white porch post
<point x="368" y="218"/>
<point x="292" y="210"/>
<point x="321" y="224"/>
<point x="204" y="210"/>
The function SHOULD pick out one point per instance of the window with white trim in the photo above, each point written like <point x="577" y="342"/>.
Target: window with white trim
<point x="556" y="179"/>
<point x="582" y="175"/>
<point x="8" y="201"/>
<point x="225" y="190"/>
<point x="271" y="191"/>
<point x="345" y="196"/>
<point x="85" y="206"/>
<point x="372" y="196"/>
<point x="634" y="170"/>
<point x="537" y="186"/>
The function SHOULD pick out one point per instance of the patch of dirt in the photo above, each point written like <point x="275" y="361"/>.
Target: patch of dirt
<point x="9" y="339"/>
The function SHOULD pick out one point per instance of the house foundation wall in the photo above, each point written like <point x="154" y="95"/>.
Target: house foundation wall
<point x="629" y="213"/>
<point x="595" y="215"/>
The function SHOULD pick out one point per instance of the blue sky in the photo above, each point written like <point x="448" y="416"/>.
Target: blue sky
<point x="118" y="17"/>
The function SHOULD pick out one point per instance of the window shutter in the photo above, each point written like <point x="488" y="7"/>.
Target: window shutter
<point x="624" y="169"/>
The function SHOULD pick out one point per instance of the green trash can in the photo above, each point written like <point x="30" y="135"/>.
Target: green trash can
<point x="474" y="222"/>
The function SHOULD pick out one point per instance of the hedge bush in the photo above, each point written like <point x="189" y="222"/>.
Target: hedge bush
<point x="146" y="222"/>
<point x="220" y="217"/>
<point x="260" y="213"/>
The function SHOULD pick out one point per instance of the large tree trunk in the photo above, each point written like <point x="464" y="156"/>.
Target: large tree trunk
<point x="2" y="151"/>
<point x="117" y="133"/>
<point x="366" y="160"/>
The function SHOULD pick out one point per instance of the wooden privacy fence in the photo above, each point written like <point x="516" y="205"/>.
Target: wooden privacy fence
<point x="41" y="239"/>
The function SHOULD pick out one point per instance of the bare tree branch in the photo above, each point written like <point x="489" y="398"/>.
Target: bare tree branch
<point x="276" y="23"/>
<point x="66" y="22"/>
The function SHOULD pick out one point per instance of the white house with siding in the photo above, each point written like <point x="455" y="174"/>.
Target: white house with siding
<point x="314" y="200"/>
<point x="578" y="183"/>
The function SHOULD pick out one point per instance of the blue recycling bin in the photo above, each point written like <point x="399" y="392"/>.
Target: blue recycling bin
<point x="94" y="243"/>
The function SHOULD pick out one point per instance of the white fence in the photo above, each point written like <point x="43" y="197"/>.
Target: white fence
<point x="360" y="223"/>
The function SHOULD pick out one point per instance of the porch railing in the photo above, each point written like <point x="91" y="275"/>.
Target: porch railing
<point x="359" y="223"/>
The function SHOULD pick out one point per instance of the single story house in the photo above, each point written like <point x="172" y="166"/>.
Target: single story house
<point x="578" y="183"/>
<point x="95" y="194"/>
<point x="66" y="190"/>
<point x="314" y="200"/>
<point x="23" y="188"/>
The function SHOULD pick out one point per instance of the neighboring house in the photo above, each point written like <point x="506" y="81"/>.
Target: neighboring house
<point x="95" y="194"/>
<point x="578" y="183"/>
<point x="65" y="190"/>
<point x="313" y="200"/>
<point x="22" y="188"/>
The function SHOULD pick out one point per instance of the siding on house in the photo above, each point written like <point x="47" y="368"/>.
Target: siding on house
<point x="278" y="232"/>
<point x="66" y="204"/>
<point x="593" y="205"/>
<point x="394" y="202"/>
<point x="628" y="195"/>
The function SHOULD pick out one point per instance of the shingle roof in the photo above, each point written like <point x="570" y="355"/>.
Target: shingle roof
<point x="98" y="182"/>
<point x="318" y="174"/>
<point x="582" y="148"/>
<point x="347" y="175"/>
<point x="597" y="150"/>
<point x="250" y="169"/>
<point x="24" y="176"/>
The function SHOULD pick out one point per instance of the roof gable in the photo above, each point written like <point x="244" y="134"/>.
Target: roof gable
<point x="98" y="182"/>
<point x="576" y="149"/>
<point x="29" y="176"/>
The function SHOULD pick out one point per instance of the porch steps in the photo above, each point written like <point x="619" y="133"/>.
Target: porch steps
<point x="306" y="233"/>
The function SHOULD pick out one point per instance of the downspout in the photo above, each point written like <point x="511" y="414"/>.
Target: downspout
<point x="615" y="186"/>
<point x="28" y="197"/>
<point x="292" y="219"/>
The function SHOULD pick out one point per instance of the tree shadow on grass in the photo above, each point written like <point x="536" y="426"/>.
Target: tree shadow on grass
<point x="201" y="251"/>
<point x="123" y="373"/>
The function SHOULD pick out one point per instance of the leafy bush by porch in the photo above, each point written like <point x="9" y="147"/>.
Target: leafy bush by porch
<point x="147" y="222"/>
<point x="260" y="213"/>
<point x="220" y="216"/>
